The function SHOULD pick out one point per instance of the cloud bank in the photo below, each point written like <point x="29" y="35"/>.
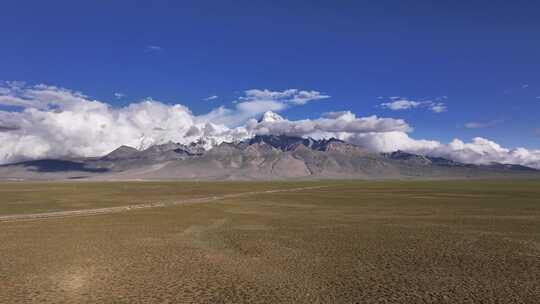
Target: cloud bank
<point x="388" y="135"/>
<point x="46" y="121"/>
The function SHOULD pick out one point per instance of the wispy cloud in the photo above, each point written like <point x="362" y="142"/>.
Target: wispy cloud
<point x="474" y="125"/>
<point x="119" y="95"/>
<point x="397" y="103"/>
<point x="153" y="49"/>
<point x="480" y="125"/>
<point x="213" y="97"/>
<point x="524" y="86"/>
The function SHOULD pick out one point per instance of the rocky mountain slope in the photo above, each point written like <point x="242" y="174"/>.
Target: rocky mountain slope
<point x="262" y="157"/>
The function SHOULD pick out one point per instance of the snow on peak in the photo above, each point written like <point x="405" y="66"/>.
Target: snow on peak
<point x="270" y="116"/>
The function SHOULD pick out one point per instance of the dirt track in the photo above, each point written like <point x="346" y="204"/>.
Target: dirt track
<point x="108" y="210"/>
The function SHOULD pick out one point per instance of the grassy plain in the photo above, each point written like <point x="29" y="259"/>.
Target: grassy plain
<point x="36" y="197"/>
<point x="351" y="242"/>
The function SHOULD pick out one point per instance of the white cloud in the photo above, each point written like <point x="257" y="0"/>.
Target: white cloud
<point x="40" y="96"/>
<point x="242" y="112"/>
<point x="478" y="151"/>
<point x="391" y="141"/>
<point x="119" y="95"/>
<point x="397" y="103"/>
<point x="303" y="97"/>
<point x="401" y="104"/>
<point x="481" y="151"/>
<point x="255" y="102"/>
<point x="340" y="114"/>
<point x="438" y="107"/>
<point x="15" y="101"/>
<point x="335" y="124"/>
<point x="211" y="97"/>
<point x="291" y="96"/>
<point x="57" y="122"/>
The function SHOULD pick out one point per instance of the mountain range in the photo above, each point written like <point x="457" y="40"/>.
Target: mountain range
<point x="263" y="157"/>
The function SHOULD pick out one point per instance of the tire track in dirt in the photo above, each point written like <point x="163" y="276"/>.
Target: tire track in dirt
<point x="117" y="209"/>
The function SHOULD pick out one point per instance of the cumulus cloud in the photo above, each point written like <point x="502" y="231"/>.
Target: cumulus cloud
<point x="39" y="96"/>
<point x="57" y="122"/>
<point x="334" y="124"/>
<point x="339" y="114"/>
<point x="255" y="102"/>
<point x="397" y="103"/>
<point x="481" y="150"/>
<point x="478" y="151"/>
<point x="242" y="112"/>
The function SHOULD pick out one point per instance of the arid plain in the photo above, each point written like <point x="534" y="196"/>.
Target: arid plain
<point x="271" y="242"/>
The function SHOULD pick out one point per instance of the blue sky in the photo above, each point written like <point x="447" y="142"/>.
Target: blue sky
<point x="482" y="55"/>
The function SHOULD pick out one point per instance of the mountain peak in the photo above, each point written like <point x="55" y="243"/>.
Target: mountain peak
<point x="288" y="142"/>
<point x="282" y="142"/>
<point x="270" y="116"/>
<point x="121" y="152"/>
<point x="263" y="157"/>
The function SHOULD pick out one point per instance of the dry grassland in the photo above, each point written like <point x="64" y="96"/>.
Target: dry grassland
<point x="351" y="242"/>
